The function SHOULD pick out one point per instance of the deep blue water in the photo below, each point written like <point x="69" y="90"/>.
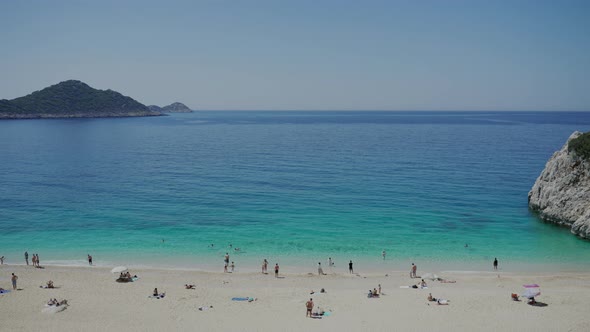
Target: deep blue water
<point x="294" y="187"/>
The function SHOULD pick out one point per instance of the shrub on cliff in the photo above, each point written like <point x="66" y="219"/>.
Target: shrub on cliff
<point x="581" y="146"/>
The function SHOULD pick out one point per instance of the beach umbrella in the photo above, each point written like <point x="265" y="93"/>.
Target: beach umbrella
<point x="430" y="276"/>
<point x="531" y="291"/>
<point x="119" y="269"/>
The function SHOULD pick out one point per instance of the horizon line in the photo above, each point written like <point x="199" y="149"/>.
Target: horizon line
<point x="378" y="110"/>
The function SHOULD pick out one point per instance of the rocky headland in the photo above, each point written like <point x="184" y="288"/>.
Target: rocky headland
<point x="561" y="194"/>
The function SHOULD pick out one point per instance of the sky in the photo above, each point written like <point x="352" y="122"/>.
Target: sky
<point x="306" y="55"/>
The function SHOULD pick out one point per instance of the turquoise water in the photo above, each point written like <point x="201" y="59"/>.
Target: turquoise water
<point x="293" y="187"/>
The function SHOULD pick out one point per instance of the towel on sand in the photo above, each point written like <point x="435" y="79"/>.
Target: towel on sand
<point x="249" y="299"/>
<point x="54" y="309"/>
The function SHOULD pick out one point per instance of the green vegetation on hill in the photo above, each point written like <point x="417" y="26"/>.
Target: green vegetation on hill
<point x="581" y="146"/>
<point x="8" y="107"/>
<point x="72" y="99"/>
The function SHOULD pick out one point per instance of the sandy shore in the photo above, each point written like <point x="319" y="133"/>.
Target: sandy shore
<point x="478" y="301"/>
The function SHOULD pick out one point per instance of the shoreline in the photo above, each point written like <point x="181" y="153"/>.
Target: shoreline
<point x="359" y="265"/>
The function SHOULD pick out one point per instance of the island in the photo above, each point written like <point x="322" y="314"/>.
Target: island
<point x="561" y="194"/>
<point x="73" y="99"/>
<point x="172" y="108"/>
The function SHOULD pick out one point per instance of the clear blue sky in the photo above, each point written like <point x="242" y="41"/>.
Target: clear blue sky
<point x="311" y="55"/>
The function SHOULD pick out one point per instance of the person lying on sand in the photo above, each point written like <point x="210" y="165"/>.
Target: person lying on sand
<point x="445" y="281"/>
<point x="55" y="302"/>
<point x="48" y="285"/>
<point x="189" y="286"/>
<point x="514" y="297"/>
<point x="442" y="302"/>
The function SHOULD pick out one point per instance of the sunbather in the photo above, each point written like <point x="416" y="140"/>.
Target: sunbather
<point x="189" y="286"/>
<point x="430" y="298"/>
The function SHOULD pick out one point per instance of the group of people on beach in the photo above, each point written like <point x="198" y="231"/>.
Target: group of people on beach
<point x="126" y="277"/>
<point x="375" y="292"/>
<point x="226" y="261"/>
<point x="35" y="259"/>
<point x="265" y="268"/>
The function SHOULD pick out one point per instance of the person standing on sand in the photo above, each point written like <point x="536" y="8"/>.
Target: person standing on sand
<point x="34" y="260"/>
<point x="350" y="267"/>
<point x="27" y="257"/>
<point x="226" y="259"/>
<point x="320" y="270"/>
<point x="265" y="266"/>
<point x="309" y="306"/>
<point x="1" y="260"/>
<point x="14" y="278"/>
<point x="413" y="271"/>
<point x="495" y="263"/>
<point x="89" y="259"/>
<point x="276" y="270"/>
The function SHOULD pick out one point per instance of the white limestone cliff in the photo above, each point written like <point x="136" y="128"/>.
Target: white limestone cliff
<point x="561" y="194"/>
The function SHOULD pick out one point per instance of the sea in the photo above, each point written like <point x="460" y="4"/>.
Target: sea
<point x="444" y="190"/>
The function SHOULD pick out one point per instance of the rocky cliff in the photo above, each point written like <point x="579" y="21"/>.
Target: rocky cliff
<point x="561" y="194"/>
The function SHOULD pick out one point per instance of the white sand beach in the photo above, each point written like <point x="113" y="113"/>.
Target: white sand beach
<point x="479" y="301"/>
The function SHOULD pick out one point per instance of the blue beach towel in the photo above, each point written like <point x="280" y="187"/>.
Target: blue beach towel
<point x="249" y="299"/>
<point x="5" y="291"/>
